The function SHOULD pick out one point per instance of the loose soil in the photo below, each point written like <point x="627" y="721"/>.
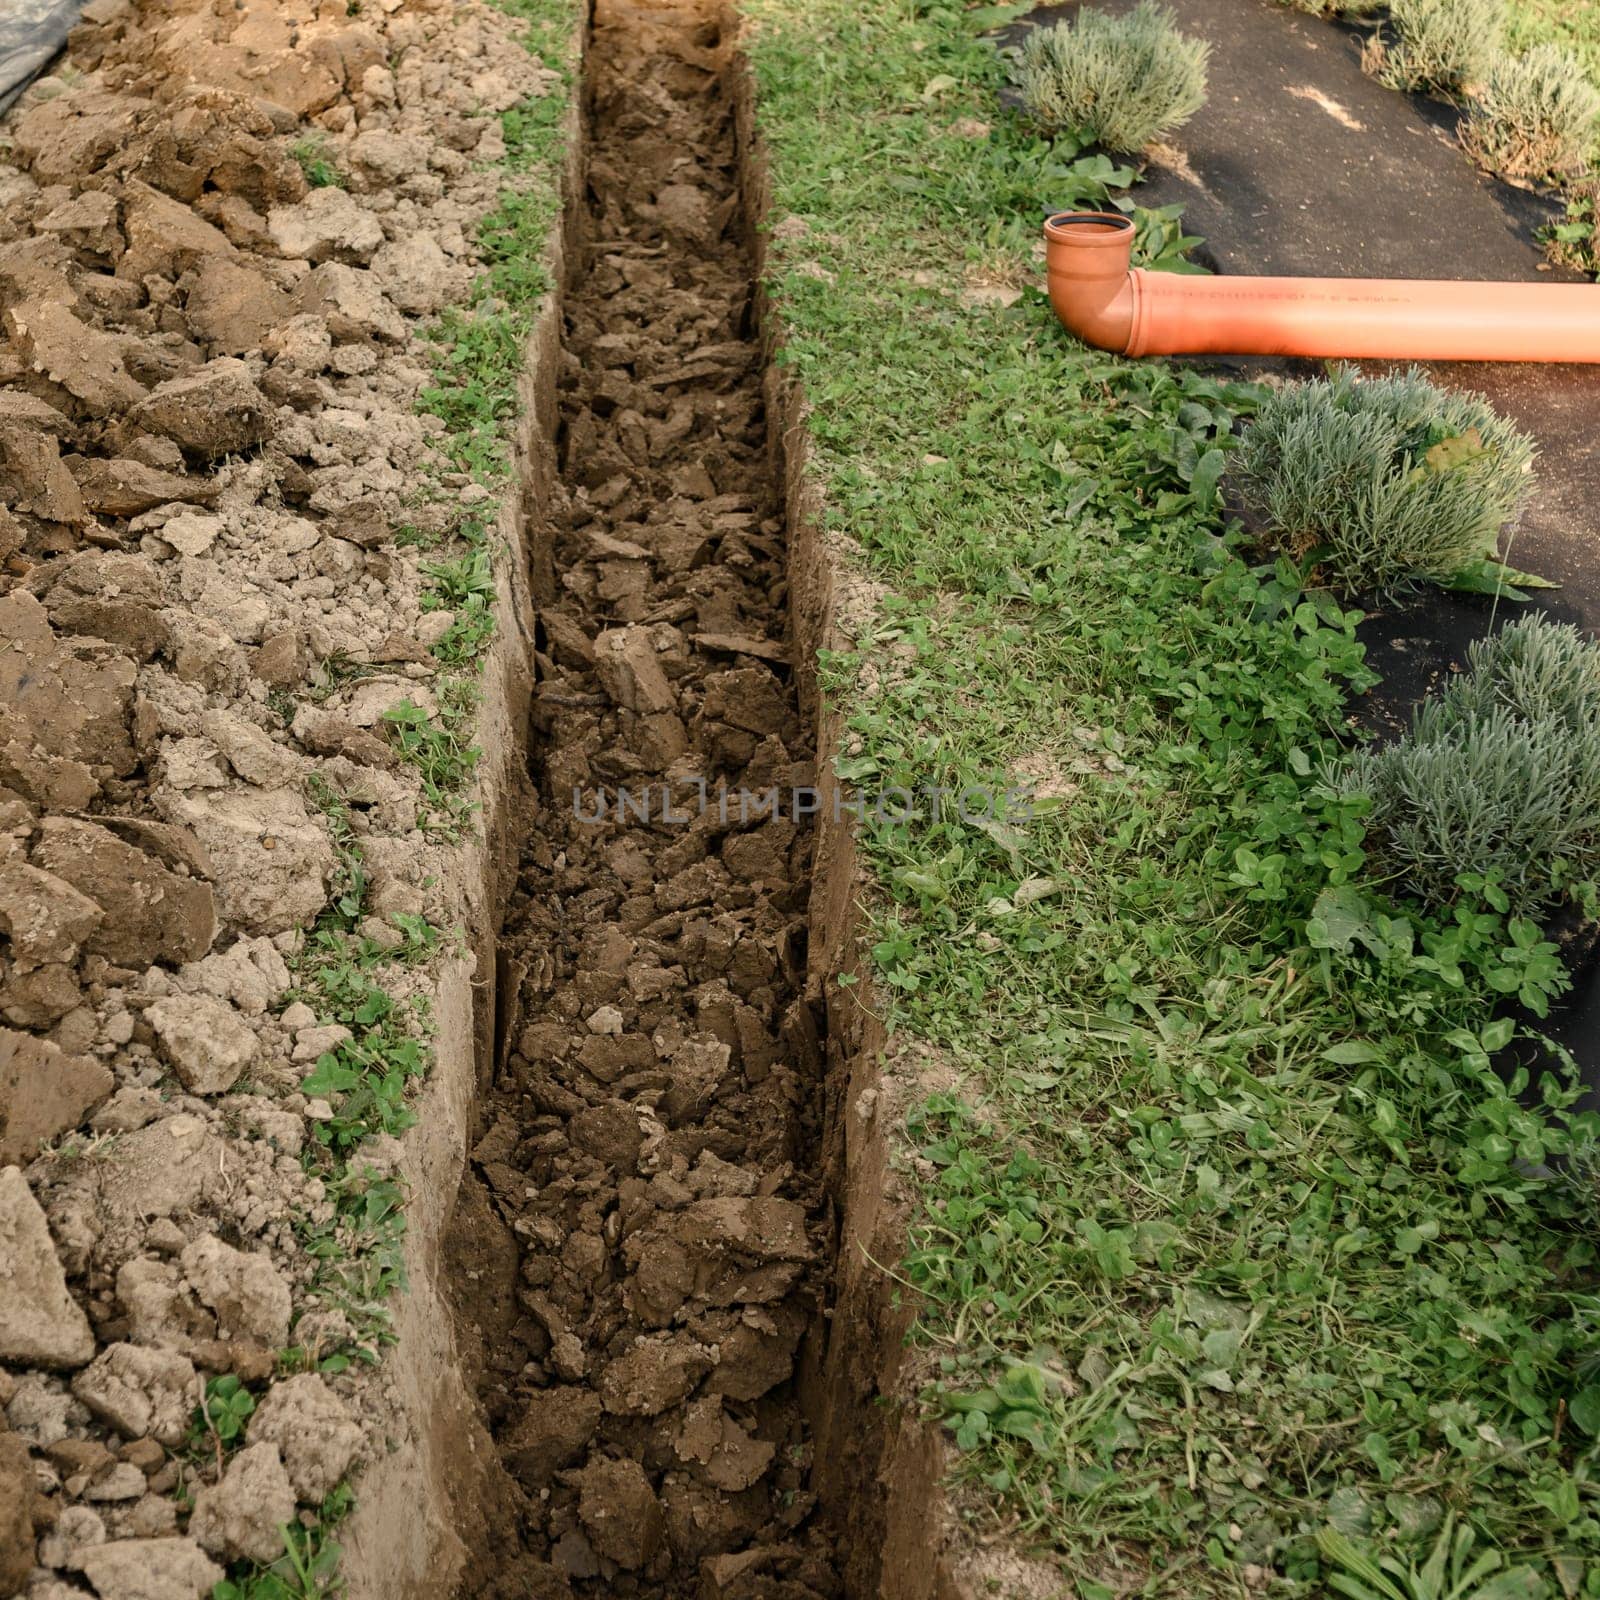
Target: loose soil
<point x="641" y="1243"/>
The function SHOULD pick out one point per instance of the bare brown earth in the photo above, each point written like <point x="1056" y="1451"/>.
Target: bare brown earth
<point x="642" y="1247"/>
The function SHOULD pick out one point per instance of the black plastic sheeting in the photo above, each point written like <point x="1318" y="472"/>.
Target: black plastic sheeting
<point x="31" y="32"/>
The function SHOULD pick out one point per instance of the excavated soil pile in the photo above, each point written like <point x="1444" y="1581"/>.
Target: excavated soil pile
<point x="642" y="1246"/>
<point x="210" y="443"/>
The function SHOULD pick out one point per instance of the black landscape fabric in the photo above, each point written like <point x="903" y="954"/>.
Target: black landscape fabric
<point x="31" y="32"/>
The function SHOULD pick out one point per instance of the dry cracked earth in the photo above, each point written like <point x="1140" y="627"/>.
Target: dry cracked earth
<point x="209" y="438"/>
<point x="643" y="1241"/>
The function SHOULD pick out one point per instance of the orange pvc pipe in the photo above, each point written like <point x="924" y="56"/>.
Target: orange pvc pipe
<point x="1107" y="302"/>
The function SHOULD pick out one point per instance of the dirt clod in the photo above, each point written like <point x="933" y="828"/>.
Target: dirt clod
<point x="43" y="1090"/>
<point x="40" y="1323"/>
<point x="620" y="1513"/>
<point x="241" y="1517"/>
<point x="314" y="1431"/>
<point x="16" y="1514"/>
<point x="150" y="1569"/>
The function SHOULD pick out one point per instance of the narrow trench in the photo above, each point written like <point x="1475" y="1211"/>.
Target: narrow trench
<point x="641" y="1246"/>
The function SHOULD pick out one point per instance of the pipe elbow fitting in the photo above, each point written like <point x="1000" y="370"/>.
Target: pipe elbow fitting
<point x="1089" y="262"/>
<point x="1107" y="302"/>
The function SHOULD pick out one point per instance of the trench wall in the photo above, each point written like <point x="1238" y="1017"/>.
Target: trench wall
<point x="879" y="1461"/>
<point x="413" y="1525"/>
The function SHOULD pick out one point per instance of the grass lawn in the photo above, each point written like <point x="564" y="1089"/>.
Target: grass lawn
<point x="1573" y="24"/>
<point x="1236" y="1253"/>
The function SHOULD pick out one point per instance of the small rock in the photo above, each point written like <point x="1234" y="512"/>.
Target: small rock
<point x="367" y="704"/>
<point x="351" y="304"/>
<point x="732" y="1458"/>
<point x="255" y="757"/>
<point x="123" y="1482"/>
<point x="204" y="1040"/>
<point x="44" y="1092"/>
<point x="284" y="1130"/>
<point x="605" y="1020"/>
<point x="36" y="999"/>
<point x="241" y="1518"/>
<point x="161" y="1310"/>
<point x="204" y="652"/>
<point x="164" y="1168"/>
<point x="609" y="1132"/>
<point x="271" y="861"/>
<point x="552" y="1433"/>
<point x="630" y="671"/>
<point x="38" y="1412"/>
<point x="125" y="486"/>
<point x="280" y="661"/>
<point x="381" y="933"/>
<point x="63" y="700"/>
<point x="86" y="222"/>
<point x="763" y="1226"/>
<point x="309" y="1043"/>
<point x="165" y="236"/>
<point x="45" y="916"/>
<point x="232" y="307"/>
<point x="685" y="212"/>
<point x="573" y="1556"/>
<point x="152" y="913"/>
<point x="362" y="522"/>
<point x="87" y="363"/>
<point x="77" y="1529"/>
<point x="128" y="1109"/>
<point x="191" y="533"/>
<point x="41" y="1325"/>
<point x="251" y="973"/>
<point x="165" y="1235"/>
<point x="415" y="273"/>
<point x="16" y="1514"/>
<point x="146" y="1455"/>
<point x="80" y="1458"/>
<point x="388" y="158"/>
<point x="154" y="1517"/>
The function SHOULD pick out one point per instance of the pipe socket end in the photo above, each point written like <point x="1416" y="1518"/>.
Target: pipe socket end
<point x="1089" y="258"/>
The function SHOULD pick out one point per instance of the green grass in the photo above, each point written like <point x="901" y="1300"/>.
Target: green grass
<point x="1229" y="1234"/>
<point x="1573" y="24"/>
<point x="316" y="163"/>
<point x="479" y="353"/>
